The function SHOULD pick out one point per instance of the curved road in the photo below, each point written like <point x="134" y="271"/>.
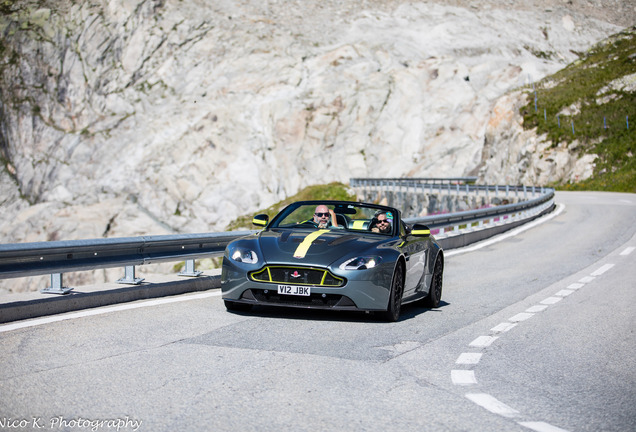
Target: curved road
<point x="535" y="332"/>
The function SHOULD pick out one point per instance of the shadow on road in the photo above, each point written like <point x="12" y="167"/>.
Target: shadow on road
<point x="409" y="311"/>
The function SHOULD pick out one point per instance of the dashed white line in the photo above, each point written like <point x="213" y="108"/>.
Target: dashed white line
<point x="463" y="377"/>
<point x="468" y="358"/>
<point x="521" y="317"/>
<point x="483" y="341"/>
<point x="627" y="251"/>
<point x="551" y="300"/>
<point x="491" y="404"/>
<point x="467" y="377"/>
<point x="503" y="327"/>
<point x="602" y="270"/>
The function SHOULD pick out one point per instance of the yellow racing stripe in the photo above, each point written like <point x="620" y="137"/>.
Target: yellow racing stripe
<point x="302" y="249"/>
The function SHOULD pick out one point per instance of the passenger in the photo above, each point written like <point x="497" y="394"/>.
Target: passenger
<point x="381" y="223"/>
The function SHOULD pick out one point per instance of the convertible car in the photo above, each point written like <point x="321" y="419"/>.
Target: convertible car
<point x="335" y="255"/>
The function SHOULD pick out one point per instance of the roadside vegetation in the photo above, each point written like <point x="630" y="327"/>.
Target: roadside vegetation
<point x="590" y="106"/>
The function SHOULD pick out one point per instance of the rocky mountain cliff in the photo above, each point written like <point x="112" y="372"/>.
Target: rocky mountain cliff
<point x="133" y="117"/>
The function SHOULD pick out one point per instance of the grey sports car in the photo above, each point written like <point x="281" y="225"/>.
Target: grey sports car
<point x="336" y="255"/>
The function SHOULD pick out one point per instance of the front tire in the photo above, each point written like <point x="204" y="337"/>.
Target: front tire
<point x="435" y="290"/>
<point x="392" y="313"/>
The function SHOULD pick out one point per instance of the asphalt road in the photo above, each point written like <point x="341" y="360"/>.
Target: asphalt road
<point x="535" y="332"/>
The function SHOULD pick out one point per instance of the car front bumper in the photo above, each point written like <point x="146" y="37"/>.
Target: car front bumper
<point x="363" y="290"/>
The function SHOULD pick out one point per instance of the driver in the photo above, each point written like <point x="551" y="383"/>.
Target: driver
<point x="322" y="217"/>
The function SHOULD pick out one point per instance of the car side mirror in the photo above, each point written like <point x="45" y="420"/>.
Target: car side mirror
<point x="420" y="230"/>
<point x="260" y="220"/>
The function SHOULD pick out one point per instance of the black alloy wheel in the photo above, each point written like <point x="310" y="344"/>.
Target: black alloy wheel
<point x="435" y="291"/>
<point x="395" y="298"/>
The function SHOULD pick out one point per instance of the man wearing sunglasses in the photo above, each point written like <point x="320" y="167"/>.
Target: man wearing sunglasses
<point x="381" y="224"/>
<point x="324" y="217"/>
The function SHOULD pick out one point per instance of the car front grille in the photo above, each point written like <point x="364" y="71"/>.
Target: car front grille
<point x="297" y="276"/>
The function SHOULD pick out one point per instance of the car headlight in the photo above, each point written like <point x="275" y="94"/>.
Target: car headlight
<point x="361" y="263"/>
<point x="243" y="255"/>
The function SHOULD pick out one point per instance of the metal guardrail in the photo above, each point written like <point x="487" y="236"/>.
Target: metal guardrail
<point x="33" y="259"/>
<point x="354" y="182"/>
<point x="459" y="229"/>
<point x="58" y="257"/>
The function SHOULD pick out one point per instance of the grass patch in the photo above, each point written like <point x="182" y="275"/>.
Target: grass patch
<point x="597" y="95"/>
<point x="331" y="191"/>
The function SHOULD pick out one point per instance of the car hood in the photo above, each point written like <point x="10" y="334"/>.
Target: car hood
<point x="312" y="247"/>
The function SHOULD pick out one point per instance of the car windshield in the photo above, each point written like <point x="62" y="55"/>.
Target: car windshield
<point x="348" y="216"/>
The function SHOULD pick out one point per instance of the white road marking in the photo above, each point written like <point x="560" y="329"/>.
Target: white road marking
<point x="602" y="270"/>
<point x="463" y="377"/>
<point x="507" y="234"/>
<point x="467" y="377"/>
<point x="483" y="341"/>
<point x="105" y="310"/>
<point x="521" y="317"/>
<point x="541" y="427"/>
<point x="551" y="300"/>
<point x="491" y="404"/>
<point x="503" y="327"/>
<point x="536" y="308"/>
<point x="468" y="358"/>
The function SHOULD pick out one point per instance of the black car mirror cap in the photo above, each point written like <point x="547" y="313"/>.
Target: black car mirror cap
<point x="420" y="230"/>
<point x="260" y="220"/>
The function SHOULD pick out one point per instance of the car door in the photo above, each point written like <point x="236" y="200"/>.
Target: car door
<point x="414" y="250"/>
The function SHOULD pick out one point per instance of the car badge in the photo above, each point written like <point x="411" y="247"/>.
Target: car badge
<point x="295" y="274"/>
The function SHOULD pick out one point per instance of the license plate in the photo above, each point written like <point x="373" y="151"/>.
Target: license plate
<point x="294" y="290"/>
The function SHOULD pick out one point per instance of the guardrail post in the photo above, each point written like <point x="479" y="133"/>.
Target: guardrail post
<point x="129" y="277"/>
<point x="189" y="269"/>
<point x="56" y="286"/>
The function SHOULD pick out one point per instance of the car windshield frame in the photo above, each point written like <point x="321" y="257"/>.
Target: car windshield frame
<point x="352" y="217"/>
